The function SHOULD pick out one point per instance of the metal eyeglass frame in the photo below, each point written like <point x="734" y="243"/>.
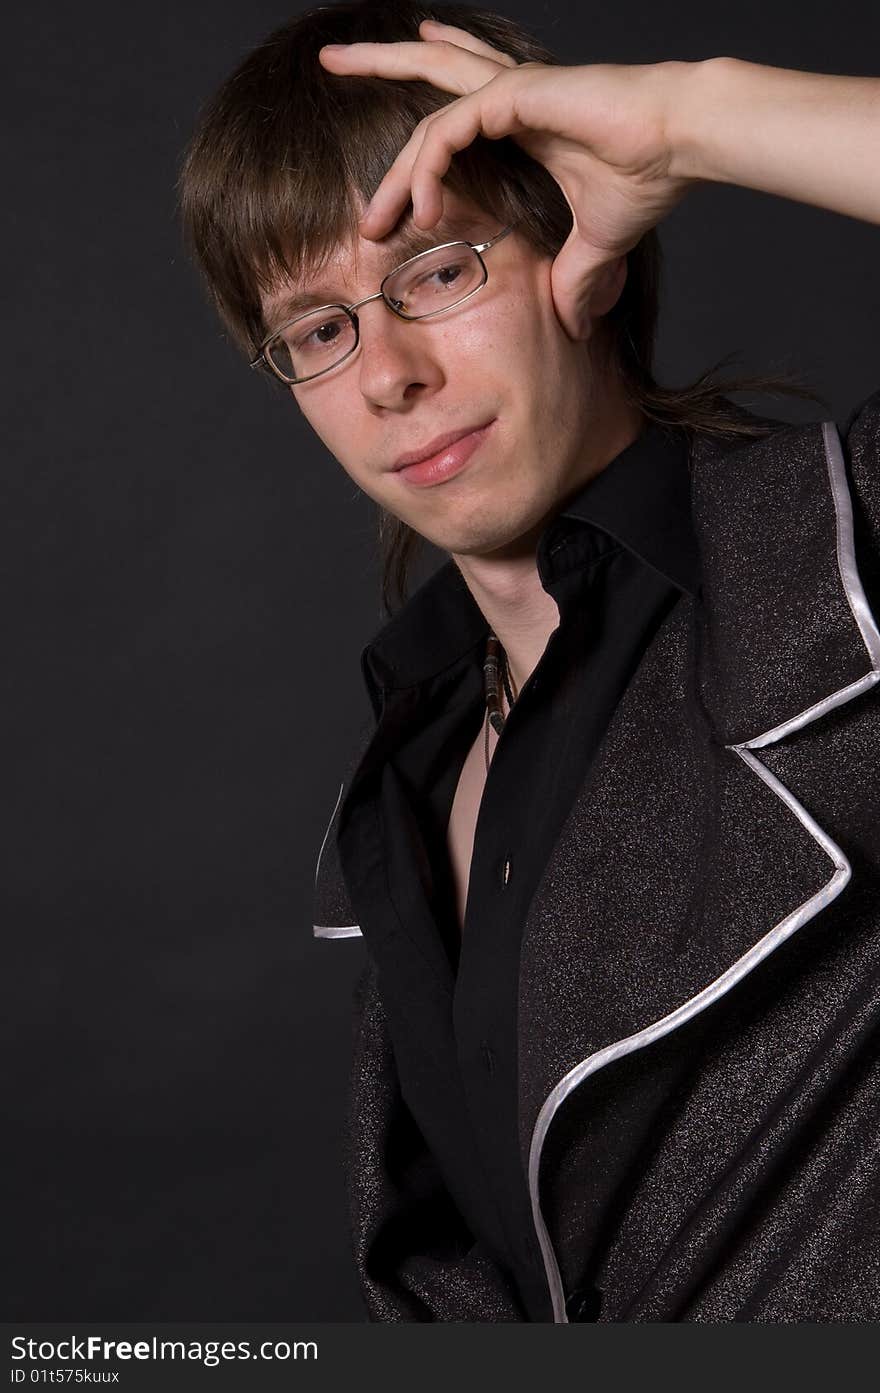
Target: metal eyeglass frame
<point x="263" y="360"/>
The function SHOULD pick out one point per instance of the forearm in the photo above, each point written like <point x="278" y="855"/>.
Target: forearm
<point x="811" y="137"/>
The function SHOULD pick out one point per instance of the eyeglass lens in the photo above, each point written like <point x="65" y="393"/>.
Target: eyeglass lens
<point x="436" y="280"/>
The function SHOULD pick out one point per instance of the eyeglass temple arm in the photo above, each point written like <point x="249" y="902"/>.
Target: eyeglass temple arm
<point x="484" y="246"/>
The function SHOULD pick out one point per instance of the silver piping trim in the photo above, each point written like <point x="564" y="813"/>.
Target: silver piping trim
<point x="813" y="712"/>
<point x="786" y="927"/>
<point x="846" y="551"/>
<point x="327" y="833"/>
<point x="328" y="930"/>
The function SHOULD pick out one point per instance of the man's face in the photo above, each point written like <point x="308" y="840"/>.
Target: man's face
<point x="501" y="360"/>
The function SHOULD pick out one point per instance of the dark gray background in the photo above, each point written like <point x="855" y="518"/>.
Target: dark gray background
<point x="188" y="582"/>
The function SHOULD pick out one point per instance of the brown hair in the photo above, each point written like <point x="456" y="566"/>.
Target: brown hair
<point x="269" y="183"/>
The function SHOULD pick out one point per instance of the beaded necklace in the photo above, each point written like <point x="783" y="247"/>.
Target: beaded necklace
<point x="495" y="667"/>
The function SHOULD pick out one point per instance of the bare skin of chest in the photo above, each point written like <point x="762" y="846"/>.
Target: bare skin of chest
<point x="463" y="817"/>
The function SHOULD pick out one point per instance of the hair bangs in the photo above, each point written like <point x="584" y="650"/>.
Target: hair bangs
<point x="286" y="154"/>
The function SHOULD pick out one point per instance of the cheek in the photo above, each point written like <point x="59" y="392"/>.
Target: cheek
<point x="520" y="344"/>
<point x="333" y="425"/>
<point x="527" y="324"/>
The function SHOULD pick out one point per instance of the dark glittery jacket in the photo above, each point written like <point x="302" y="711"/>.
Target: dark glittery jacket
<point x="714" y="895"/>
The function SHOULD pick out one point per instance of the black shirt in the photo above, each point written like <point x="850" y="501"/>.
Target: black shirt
<point x="616" y="558"/>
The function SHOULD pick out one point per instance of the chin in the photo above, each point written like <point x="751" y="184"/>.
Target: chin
<point x="485" y="540"/>
<point x="487" y="519"/>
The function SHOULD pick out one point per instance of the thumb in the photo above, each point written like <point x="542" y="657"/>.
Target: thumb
<point x="585" y="284"/>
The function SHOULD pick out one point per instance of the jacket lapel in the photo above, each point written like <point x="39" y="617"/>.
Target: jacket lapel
<point x="685" y="861"/>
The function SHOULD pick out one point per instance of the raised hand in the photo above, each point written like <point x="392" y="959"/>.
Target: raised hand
<point x="604" y="131"/>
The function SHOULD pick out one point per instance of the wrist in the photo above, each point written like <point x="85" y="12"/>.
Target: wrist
<point x="699" y="94"/>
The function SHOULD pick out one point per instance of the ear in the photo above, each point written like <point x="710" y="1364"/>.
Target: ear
<point x="608" y="287"/>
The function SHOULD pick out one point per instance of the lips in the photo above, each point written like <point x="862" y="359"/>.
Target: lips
<point x="435" y="446"/>
<point x="446" y="462"/>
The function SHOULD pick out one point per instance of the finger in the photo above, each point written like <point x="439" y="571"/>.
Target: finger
<point x="436" y="30"/>
<point x="393" y="192"/>
<point x="443" y="64"/>
<point x="418" y="170"/>
<point x="489" y="112"/>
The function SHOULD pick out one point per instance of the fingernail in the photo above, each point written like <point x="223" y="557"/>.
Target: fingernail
<point x="332" y="48"/>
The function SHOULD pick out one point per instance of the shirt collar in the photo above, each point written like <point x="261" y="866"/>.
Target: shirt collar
<point x="639" y="500"/>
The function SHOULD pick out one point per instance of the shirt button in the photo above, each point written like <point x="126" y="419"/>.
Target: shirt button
<point x="505" y="874"/>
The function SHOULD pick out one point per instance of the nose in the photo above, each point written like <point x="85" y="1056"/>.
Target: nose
<point x="398" y="359"/>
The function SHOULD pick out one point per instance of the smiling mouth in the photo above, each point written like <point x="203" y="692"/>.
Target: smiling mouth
<point x="447" y="461"/>
<point x="435" y="447"/>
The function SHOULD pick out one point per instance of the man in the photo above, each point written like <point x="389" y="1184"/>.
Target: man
<point x="610" y="845"/>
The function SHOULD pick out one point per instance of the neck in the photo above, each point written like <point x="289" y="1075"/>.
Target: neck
<point x="505" y="583"/>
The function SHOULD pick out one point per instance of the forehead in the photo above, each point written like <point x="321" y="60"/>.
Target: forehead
<point x="338" y="275"/>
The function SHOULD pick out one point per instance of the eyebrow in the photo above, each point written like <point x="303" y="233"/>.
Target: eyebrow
<point x="407" y="242"/>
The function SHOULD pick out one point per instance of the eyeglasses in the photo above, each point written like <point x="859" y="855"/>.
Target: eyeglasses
<point x="426" y="284"/>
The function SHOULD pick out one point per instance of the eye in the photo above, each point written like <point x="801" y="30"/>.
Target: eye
<point x="446" y="276"/>
<point x="315" y="334"/>
<point x="321" y="336"/>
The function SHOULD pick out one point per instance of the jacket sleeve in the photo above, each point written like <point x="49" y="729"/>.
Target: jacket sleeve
<point x="416" y="1258"/>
